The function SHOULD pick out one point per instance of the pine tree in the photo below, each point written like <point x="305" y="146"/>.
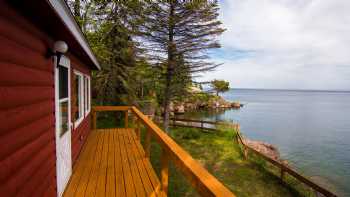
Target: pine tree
<point x="179" y="34"/>
<point x="109" y="26"/>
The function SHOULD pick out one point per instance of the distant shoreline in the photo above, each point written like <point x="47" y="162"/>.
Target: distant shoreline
<point x="291" y="90"/>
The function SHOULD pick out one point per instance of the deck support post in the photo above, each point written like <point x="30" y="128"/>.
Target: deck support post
<point x="164" y="173"/>
<point x="148" y="143"/>
<point x="127" y="119"/>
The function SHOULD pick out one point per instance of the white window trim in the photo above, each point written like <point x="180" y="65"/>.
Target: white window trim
<point x="81" y="101"/>
<point x="87" y="95"/>
<point x="65" y="62"/>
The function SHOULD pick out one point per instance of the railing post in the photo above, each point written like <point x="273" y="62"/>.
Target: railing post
<point x="127" y="119"/>
<point x="282" y="173"/>
<point x="245" y="152"/>
<point x="164" y="173"/>
<point x="148" y="143"/>
<point x="138" y="129"/>
<point x="94" y="119"/>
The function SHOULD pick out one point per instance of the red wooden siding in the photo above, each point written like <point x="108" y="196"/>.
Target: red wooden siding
<point x="27" y="129"/>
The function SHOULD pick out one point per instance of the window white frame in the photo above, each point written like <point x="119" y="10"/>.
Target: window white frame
<point x="64" y="62"/>
<point x="87" y="91"/>
<point x="81" y="98"/>
<point x="63" y="142"/>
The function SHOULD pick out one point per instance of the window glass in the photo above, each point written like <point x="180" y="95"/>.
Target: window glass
<point x="87" y="94"/>
<point x="63" y="82"/>
<point x="78" y="96"/>
<point x="63" y="120"/>
<point x="63" y="100"/>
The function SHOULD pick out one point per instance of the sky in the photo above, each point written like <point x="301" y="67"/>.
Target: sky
<point x="284" y="44"/>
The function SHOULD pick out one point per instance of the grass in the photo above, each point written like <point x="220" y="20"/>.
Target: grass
<point x="222" y="157"/>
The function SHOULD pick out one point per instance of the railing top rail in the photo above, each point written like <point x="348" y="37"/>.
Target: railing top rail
<point x="111" y="108"/>
<point x="200" y="121"/>
<point x="205" y="183"/>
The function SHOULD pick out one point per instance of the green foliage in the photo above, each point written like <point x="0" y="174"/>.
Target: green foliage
<point x="220" y="86"/>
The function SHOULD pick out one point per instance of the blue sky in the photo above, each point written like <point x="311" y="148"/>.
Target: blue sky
<point x="284" y="44"/>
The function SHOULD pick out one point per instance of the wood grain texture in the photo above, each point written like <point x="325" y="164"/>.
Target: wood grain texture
<point x="112" y="163"/>
<point x="27" y="155"/>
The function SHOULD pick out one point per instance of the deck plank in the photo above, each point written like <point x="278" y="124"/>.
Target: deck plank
<point x="140" y="166"/>
<point x="102" y="172"/>
<point x="148" y="166"/>
<point x="81" y="166"/>
<point x="113" y="163"/>
<point x="110" y="184"/>
<point x="91" y="187"/>
<point x="129" y="184"/>
<point x="133" y="166"/>
<point x="119" y="178"/>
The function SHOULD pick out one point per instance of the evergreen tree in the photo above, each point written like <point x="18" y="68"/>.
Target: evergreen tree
<point x="178" y="34"/>
<point x="109" y="26"/>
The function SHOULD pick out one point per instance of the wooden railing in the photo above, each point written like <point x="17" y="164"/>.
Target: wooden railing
<point x="204" y="183"/>
<point x="283" y="168"/>
<point x="201" y="124"/>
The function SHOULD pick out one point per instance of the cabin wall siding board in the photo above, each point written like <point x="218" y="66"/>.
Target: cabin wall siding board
<point x="18" y="117"/>
<point x="27" y="159"/>
<point x="37" y="128"/>
<point x="25" y="76"/>
<point x="16" y="96"/>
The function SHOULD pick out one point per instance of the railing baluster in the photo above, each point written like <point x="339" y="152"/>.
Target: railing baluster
<point x="282" y="173"/>
<point x="127" y="119"/>
<point x="138" y="129"/>
<point x="164" y="173"/>
<point x="148" y="143"/>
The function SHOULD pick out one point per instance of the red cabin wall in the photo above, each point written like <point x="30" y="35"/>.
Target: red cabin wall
<point x="27" y="109"/>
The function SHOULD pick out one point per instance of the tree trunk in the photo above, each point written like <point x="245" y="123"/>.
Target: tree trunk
<point x="170" y="70"/>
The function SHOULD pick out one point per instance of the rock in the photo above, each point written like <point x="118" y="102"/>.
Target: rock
<point x="263" y="147"/>
<point x="235" y="105"/>
<point x="179" y="108"/>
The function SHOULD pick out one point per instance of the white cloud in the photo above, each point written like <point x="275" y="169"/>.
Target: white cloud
<point x="291" y="43"/>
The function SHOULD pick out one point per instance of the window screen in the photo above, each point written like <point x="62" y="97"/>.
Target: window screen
<point x="63" y="82"/>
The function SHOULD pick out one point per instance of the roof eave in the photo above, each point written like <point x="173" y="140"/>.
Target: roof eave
<point x="62" y="10"/>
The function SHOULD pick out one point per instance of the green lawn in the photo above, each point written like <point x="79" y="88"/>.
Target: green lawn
<point x="222" y="157"/>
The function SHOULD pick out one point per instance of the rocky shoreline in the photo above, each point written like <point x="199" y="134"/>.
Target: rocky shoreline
<point x="264" y="148"/>
<point x="214" y="102"/>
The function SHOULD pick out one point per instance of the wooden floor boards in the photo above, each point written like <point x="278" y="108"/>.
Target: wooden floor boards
<point x="113" y="163"/>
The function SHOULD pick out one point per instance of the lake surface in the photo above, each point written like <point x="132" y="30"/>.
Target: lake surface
<point x="310" y="128"/>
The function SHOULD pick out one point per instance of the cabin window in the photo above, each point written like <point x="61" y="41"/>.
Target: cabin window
<point x="87" y="94"/>
<point x="63" y="100"/>
<point x="79" y="98"/>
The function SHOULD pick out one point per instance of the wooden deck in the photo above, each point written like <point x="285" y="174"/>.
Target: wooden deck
<point x="113" y="163"/>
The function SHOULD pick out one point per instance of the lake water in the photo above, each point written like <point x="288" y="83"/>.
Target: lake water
<point x="310" y="128"/>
